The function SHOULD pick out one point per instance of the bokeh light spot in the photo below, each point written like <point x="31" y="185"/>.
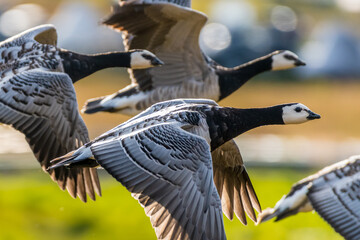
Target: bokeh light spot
<point x="20" y="18"/>
<point x="349" y="5"/>
<point x="216" y="36"/>
<point x="283" y="18"/>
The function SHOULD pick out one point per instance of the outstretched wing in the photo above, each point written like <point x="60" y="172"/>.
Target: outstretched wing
<point x="169" y="31"/>
<point x="233" y="183"/>
<point x="336" y="197"/>
<point x="172" y="103"/>
<point x="42" y="105"/>
<point x="170" y="172"/>
<point x="43" y="34"/>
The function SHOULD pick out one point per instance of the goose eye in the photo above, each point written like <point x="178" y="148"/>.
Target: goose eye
<point x="298" y="109"/>
<point x="146" y="56"/>
<point x="289" y="57"/>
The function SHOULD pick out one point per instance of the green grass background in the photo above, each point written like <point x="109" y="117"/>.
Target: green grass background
<point x="33" y="207"/>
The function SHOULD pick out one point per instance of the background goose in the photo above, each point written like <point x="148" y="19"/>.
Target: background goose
<point x="172" y="33"/>
<point x="39" y="100"/>
<point x="333" y="192"/>
<point x="163" y="156"/>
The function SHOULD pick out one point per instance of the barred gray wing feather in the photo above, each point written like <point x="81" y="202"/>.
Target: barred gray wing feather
<point x="336" y="197"/>
<point x="169" y="31"/>
<point x="233" y="183"/>
<point x="155" y="108"/>
<point x="169" y="171"/>
<point x="42" y="105"/>
<point x="171" y="103"/>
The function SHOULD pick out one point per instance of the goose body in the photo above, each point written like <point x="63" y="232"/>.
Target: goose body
<point x="163" y="156"/>
<point x="172" y="33"/>
<point x="37" y="98"/>
<point x="333" y="192"/>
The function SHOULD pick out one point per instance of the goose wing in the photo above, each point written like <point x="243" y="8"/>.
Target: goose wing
<point x="336" y="197"/>
<point x="155" y="108"/>
<point x="172" y="103"/>
<point x="169" y="171"/>
<point x="43" y="34"/>
<point x="184" y="3"/>
<point x="169" y="31"/>
<point x="42" y="105"/>
<point x="233" y="183"/>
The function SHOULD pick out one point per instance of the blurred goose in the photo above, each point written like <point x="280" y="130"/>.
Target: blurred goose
<point x="172" y="33"/>
<point x="333" y="192"/>
<point x="39" y="100"/>
<point x="163" y="157"/>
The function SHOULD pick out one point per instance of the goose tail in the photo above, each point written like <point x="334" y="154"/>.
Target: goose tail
<point x="290" y="204"/>
<point x="63" y="161"/>
<point x="75" y="159"/>
<point x="93" y="106"/>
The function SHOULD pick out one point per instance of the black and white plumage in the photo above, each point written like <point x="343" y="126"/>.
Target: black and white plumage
<point x="333" y="192"/>
<point x="172" y="33"/>
<point x="37" y="98"/>
<point x="163" y="156"/>
<point x="36" y="49"/>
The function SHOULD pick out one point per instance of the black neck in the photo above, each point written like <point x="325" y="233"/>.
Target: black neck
<point x="227" y="123"/>
<point x="78" y="66"/>
<point x="230" y="79"/>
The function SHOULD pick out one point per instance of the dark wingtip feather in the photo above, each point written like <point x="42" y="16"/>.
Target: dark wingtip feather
<point x="95" y="181"/>
<point x="228" y="197"/>
<point x="241" y="189"/>
<point x="251" y="192"/>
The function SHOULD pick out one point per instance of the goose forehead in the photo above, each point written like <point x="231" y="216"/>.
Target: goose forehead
<point x="287" y="52"/>
<point x="293" y="106"/>
<point x="146" y="52"/>
<point x="301" y="105"/>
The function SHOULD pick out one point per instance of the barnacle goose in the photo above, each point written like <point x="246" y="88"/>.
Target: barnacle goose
<point x="163" y="157"/>
<point x="172" y="33"/>
<point x="333" y="192"/>
<point x="37" y="98"/>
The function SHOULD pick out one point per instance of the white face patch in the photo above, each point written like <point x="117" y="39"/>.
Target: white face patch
<point x="284" y="60"/>
<point x="296" y="113"/>
<point x="142" y="59"/>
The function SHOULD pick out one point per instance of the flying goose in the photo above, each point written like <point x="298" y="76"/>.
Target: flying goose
<point x="37" y="98"/>
<point x="333" y="192"/>
<point x="163" y="157"/>
<point x="172" y="33"/>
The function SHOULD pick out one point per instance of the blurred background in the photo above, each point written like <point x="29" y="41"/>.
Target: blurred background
<point x="324" y="33"/>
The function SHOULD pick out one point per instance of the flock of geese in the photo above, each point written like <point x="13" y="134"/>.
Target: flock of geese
<point x="177" y="156"/>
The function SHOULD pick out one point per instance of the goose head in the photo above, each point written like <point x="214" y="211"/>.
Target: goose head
<point x="297" y="113"/>
<point x="282" y="60"/>
<point x="140" y="59"/>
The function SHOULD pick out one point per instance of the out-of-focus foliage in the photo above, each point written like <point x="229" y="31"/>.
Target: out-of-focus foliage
<point x="33" y="208"/>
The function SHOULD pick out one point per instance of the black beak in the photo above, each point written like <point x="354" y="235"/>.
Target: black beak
<point x="313" y="115"/>
<point x="299" y="62"/>
<point x="156" y="62"/>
